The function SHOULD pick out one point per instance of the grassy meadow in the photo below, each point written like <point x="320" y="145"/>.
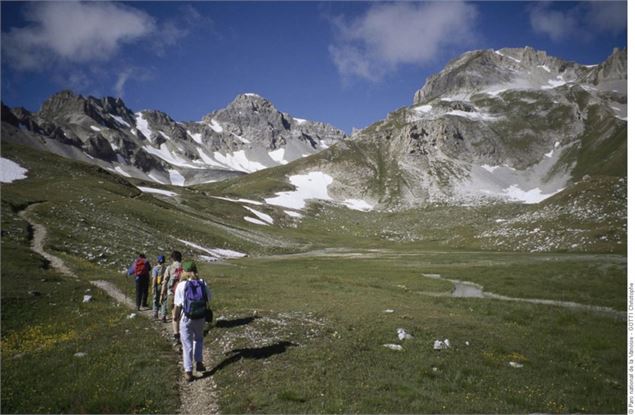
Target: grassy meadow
<point x="332" y="310"/>
<point x="302" y="321"/>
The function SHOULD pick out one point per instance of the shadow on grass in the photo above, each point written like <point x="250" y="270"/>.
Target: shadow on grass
<point x="250" y="353"/>
<point x="228" y="324"/>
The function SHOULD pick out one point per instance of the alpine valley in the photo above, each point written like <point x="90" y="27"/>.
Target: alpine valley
<point x="481" y="226"/>
<point x="531" y="148"/>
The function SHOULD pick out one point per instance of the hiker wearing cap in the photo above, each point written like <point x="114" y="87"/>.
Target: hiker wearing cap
<point x="158" y="303"/>
<point x="171" y="278"/>
<point x="191" y="300"/>
<point x="140" y="268"/>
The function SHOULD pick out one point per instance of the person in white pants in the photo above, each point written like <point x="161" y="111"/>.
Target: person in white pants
<point x="191" y="330"/>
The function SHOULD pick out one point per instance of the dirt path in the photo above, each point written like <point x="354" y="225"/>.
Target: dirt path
<point x="198" y="397"/>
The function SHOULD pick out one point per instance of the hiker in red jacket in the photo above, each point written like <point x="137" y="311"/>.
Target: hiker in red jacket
<point x="140" y="268"/>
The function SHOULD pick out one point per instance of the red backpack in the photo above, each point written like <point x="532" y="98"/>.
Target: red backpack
<point x="140" y="267"/>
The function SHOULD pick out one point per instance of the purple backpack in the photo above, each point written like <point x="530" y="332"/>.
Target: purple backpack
<point x="195" y="301"/>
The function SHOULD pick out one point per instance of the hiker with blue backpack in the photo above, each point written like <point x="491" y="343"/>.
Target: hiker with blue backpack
<point x="191" y="309"/>
<point x="158" y="303"/>
<point x="140" y="268"/>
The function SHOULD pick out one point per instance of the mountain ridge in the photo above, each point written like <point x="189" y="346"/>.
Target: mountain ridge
<point x="150" y="145"/>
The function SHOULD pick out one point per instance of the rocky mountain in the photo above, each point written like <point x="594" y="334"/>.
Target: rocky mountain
<point x="512" y="125"/>
<point x="250" y="134"/>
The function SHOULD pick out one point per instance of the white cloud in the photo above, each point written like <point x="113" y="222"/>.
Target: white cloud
<point x="74" y="33"/>
<point x="556" y="24"/>
<point x="389" y="35"/>
<point x="584" y="20"/>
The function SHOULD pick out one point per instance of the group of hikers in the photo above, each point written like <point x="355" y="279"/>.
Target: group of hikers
<point x="176" y="291"/>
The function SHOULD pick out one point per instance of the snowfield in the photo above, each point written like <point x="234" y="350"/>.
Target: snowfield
<point x="313" y="185"/>
<point x="11" y="171"/>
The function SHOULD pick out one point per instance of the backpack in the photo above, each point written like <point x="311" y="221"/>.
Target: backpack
<point x="159" y="276"/>
<point x="176" y="279"/>
<point x="140" y="267"/>
<point x="195" y="299"/>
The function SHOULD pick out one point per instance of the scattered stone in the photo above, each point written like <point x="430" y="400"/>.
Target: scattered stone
<point x="403" y="334"/>
<point x="516" y="365"/>
<point x="133" y="315"/>
<point x="440" y="345"/>
<point x="35" y="293"/>
<point x="88" y="298"/>
<point x="389" y="311"/>
<point x="467" y="343"/>
<point x="392" y="346"/>
<point x="79" y="354"/>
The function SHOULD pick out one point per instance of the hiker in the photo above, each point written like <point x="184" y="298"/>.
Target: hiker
<point x="140" y="268"/>
<point x="171" y="278"/>
<point x="158" y="303"/>
<point x="191" y="300"/>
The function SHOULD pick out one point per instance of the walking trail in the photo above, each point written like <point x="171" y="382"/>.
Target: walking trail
<point x="197" y="397"/>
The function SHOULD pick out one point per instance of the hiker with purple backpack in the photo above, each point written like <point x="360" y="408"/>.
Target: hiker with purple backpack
<point x="140" y="268"/>
<point x="191" y="310"/>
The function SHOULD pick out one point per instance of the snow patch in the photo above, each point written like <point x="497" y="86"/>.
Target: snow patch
<point x="528" y="197"/>
<point x="238" y="161"/>
<point x="507" y="56"/>
<point x="121" y="171"/>
<point x="554" y="83"/>
<point x="278" y="156"/>
<point x="215" y="253"/>
<point x="197" y="137"/>
<point x="358" y="204"/>
<point x="215" y="126"/>
<point x="159" y="191"/>
<point x="11" y="171"/>
<point x="293" y="214"/>
<point x="164" y="153"/>
<point x="241" y="139"/>
<point x="477" y="116"/>
<point x="255" y="221"/>
<point x="423" y="108"/>
<point x="120" y="120"/>
<point x="142" y="125"/>
<point x="545" y="67"/>
<point x="92" y="127"/>
<point x="176" y="178"/>
<point x="262" y="216"/>
<point x="313" y="185"/>
<point x="300" y="120"/>
<point x="207" y="159"/>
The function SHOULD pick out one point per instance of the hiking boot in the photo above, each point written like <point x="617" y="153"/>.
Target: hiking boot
<point x="200" y="367"/>
<point x="189" y="377"/>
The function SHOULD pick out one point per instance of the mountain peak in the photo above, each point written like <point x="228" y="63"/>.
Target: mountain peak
<point x="515" y="68"/>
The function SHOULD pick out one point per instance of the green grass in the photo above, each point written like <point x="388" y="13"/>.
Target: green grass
<point x="317" y="344"/>
<point x="127" y="368"/>
<point x="573" y="360"/>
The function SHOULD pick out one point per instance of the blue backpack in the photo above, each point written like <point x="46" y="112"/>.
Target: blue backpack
<point x="195" y="301"/>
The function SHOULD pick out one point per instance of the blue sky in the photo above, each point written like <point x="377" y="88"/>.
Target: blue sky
<point x="345" y="63"/>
